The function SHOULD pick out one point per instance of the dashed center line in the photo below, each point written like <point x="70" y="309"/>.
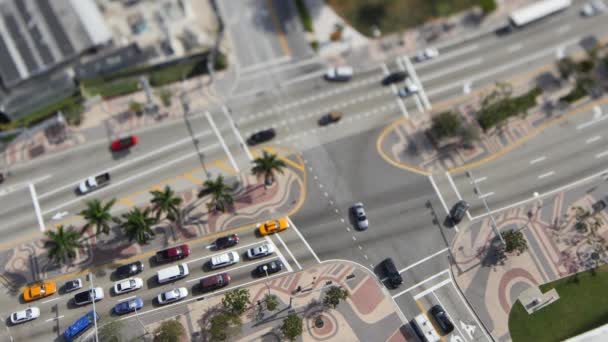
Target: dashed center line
<point x="602" y="154"/>
<point x="537" y="160"/>
<point x="54" y="318"/>
<point x="593" y="139"/>
<point x="487" y="194"/>
<point x="548" y="174"/>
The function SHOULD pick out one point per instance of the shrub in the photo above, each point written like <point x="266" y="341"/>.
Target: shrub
<point x="501" y="110"/>
<point x="304" y="15"/>
<point x="566" y="67"/>
<point x="579" y="91"/>
<point x="314" y="45"/>
<point x="487" y="6"/>
<point x="515" y="241"/>
<point x="292" y="326"/>
<point x="169" y="331"/>
<point x="446" y="124"/>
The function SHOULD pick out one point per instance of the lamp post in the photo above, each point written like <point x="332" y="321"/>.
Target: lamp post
<point x="485" y="203"/>
<point x="93" y="300"/>
<point x="265" y="268"/>
<point x="140" y="322"/>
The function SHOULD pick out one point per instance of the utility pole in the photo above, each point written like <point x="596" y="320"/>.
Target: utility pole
<point x="485" y="203"/>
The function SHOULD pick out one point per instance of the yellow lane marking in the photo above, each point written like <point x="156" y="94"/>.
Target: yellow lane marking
<point x="285" y="159"/>
<point x="222" y="165"/>
<point x="388" y="159"/>
<point x="126" y="202"/>
<point x="193" y="179"/>
<point x="426" y="313"/>
<point x="277" y="25"/>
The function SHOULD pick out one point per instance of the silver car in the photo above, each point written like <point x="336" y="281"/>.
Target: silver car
<point x="260" y="251"/>
<point x="172" y="296"/>
<point x="359" y="216"/>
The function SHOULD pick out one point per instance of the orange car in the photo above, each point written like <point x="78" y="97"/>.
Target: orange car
<point x="41" y="290"/>
<point x="273" y="226"/>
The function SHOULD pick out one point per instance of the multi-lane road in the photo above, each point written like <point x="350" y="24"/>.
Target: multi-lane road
<point x="406" y="210"/>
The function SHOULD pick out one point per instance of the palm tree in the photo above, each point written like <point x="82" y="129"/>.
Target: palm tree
<point x="138" y="225"/>
<point x="97" y="214"/>
<point x="266" y="166"/>
<point x="219" y="192"/>
<point x="166" y="202"/>
<point x="62" y="244"/>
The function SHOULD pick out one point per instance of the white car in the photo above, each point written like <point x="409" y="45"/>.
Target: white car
<point x="260" y="251"/>
<point x="128" y="285"/>
<point x="87" y="296"/>
<point x="172" y="296"/>
<point x="343" y="73"/>
<point x="593" y="7"/>
<point x="25" y="315"/>
<point x="426" y="54"/>
<point x="223" y="260"/>
<point x="409" y="89"/>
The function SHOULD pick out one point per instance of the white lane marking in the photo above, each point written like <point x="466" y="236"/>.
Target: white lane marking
<point x="548" y="174"/>
<point x="601" y="155"/>
<point x="453" y="185"/>
<point x="593" y="139"/>
<point x="169" y="163"/>
<point x="479" y="180"/>
<point x="394" y="89"/>
<point x="466" y="87"/>
<point x="416" y="96"/>
<point x="412" y="72"/>
<point x="14" y="187"/>
<point x="537" y="160"/>
<point x="447" y="312"/>
<point x="549" y="193"/>
<point x="126" y="298"/>
<point x="453" y="282"/>
<point x="563" y="29"/>
<point x="514" y="47"/>
<point x="288" y="250"/>
<point x="265" y="64"/>
<point x="54" y="318"/>
<point x="50" y="300"/>
<point x="283" y="260"/>
<point x="221" y="139"/>
<point x="230" y="269"/>
<point x="228" y="115"/>
<point x="449" y="55"/>
<point x="560" y="52"/>
<point x="445" y="207"/>
<point x="303" y="240"/>
<point x="222" y="252"/>
<point x="433" y="288"/>
<point x="455" y="68"/>
<point x="36" y="207"/>
<point x="487" y="194"/>
<point x="597" y="117"/>
<point x="597" y="112"/>
<point x="424" y="259"/>
<point x="439" y="274"/>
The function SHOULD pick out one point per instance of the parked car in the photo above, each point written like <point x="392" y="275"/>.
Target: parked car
<point x="260" y="251"/>
<point x="359" y="216"/>
<point x="93" y="183"/>
<point x="72" y="285"/>
<point x="173" y="253"/>
<point x="226" y="241"/>
<point x="273" y="226"/>
<point x="458" y="211"/>
<point x="394" y="77"/>
<point x="129" y="270"/>
<point x="124" y="143"/>
<point x="409" y="89"/>
<point x="340" y="74"/>
<point x="426" y="54"/>
<point x="261" y="136"/>
<point x="330" y="118"/>
<point x="271" y="267"/>
<point x="128" y="285"/>
<point x="214" y="282"/>
<point x="128" y="306"/>
<point x="22" y="316"/>
<point x="40" y="290"/>
<point x="223" y="260"/>
<point x="87" y="296"/>
<point x="172" y="296"/>
<point x="442" y="319"/>
<point x="391" y="273"/>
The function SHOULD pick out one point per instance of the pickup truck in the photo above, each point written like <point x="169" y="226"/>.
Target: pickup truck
<point x="173" y="253"/>
<point x="93" y="183"/>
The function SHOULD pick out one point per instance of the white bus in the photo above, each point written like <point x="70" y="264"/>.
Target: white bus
<point x="537" y="10"/>
<point x="424" y="329"/>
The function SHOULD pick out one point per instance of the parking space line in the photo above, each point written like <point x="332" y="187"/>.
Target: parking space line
<point x="434" y="287"/>
<point x="423" y="260"/>
<point x="303" y="240"/>
<point x="448" y="313"/>
<point x="422" y="282"/>
<point x="288" y="251"/>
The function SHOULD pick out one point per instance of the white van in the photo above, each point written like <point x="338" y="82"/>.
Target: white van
<point x="172" y="273"/>
<point x="424" y="329"/>
<point x="341" y="74"/>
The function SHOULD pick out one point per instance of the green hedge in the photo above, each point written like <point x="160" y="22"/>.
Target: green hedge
<point x="304" y="15"/>
<point x="113" y="88"/>
<point x="502" y="110"/>
<point x="575" y="94"/>
<point x="487" y="6"/>
<point x="70" y="106"/>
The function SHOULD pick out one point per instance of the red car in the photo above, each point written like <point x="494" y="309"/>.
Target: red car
<point x="173" y="253"/>
<point x="124" y="143"/>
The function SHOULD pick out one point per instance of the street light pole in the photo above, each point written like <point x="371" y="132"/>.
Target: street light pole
<point x="94" y="312"/>
<point x="266" y="281"/>
<point x="140" y="322"/>
<point x="485" y="203"/>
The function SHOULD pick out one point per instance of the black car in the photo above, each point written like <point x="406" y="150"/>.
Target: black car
<point x="330" y="118"/>
<point x="458" y="211"/>
<point x="393" y="278"/>
<point x="226" y="241"/>
<point x="129" y="270"/>
<point x="394" y="78"/>
<point x="261" y="136"/>
<point x="271" y="267"/>
<point x="442" y="319"/>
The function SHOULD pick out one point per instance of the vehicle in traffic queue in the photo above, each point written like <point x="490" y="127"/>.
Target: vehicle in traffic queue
<point x="172" y="296"/>
<point x="123" y="143"/>
<point x="128" y="285"/>
<point x="26" y="315"/>
<point x="129" y="270"/>
<point x="39" y="290"/>
<point x="273" y="226"/>
<point x="128" y="306"/>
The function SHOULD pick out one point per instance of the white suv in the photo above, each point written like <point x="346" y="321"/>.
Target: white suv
<point x="343" y="73"/>
<point x="128" y="285"/>
<point x="223" y="260"/>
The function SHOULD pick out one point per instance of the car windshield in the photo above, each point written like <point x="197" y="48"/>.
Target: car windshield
<point x="362" y="217"/>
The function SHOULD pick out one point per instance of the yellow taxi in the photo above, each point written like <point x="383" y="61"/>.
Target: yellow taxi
<point x="273" y="226"/>
<point x="40" y="290"/>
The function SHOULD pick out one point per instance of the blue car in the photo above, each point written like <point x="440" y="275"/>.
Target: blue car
<point x="129" y="306"/>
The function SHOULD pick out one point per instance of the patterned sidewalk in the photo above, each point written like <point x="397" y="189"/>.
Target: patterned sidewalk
<point x="556" y="249"/>
<point x="367" y="315"/>
<point x="27" y="261"/>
